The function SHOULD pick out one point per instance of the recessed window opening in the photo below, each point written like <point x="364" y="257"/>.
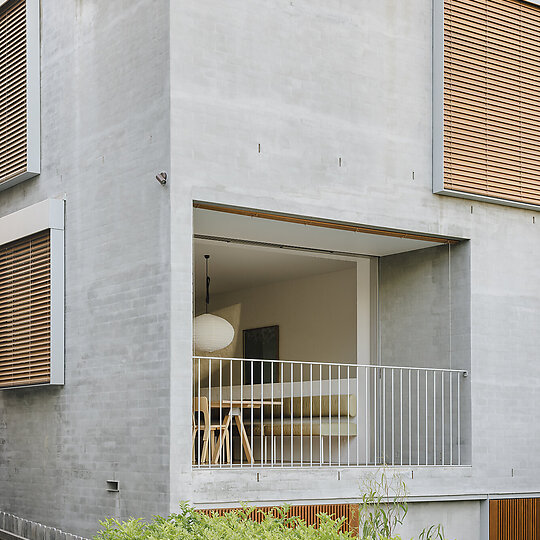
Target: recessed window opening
<point x="296" y="355"/>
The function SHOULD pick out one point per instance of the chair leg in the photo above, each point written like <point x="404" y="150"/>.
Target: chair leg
<point x="193" y="435"/>
<point x="212" y="441"/>
<point x="224" y="430"/>
<point x="227" y="446"/>
<point x="204" y="456"/>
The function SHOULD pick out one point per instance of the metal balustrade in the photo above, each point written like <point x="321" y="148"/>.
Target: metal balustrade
<point x="275" y="413"/>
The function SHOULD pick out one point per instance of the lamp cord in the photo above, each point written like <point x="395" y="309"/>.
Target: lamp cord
<point x="207" y="284"/>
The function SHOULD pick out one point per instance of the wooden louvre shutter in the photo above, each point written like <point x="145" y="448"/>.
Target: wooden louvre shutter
<point x="492" y="99"/>
<point x="25" y="311"/>
<point x="511" y="519"/>
<point x="13" y="90"/>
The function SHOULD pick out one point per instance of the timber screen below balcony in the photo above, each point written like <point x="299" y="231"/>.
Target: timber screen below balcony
<point x="313" y="414"/>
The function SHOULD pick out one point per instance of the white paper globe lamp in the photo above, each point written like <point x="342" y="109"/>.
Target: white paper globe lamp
<point x="212" y="333"/>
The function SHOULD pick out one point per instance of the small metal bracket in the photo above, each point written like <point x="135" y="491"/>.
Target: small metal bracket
<point x="162" y="178"/>
<point x="465" y="374"/>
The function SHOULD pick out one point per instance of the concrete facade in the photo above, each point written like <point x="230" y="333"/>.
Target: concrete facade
<point x="193" y="88"/>
<point x="104" y="136"/>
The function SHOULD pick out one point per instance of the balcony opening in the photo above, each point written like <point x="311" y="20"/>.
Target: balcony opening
<point x="350" y="348"/>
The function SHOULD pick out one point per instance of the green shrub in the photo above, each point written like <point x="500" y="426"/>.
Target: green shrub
<point x="384" y="508"/>
<point x="235" y="525"/>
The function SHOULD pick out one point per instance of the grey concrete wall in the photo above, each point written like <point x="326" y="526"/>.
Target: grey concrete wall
<point x="105" y="134"/>
<point x="460" y="519"/>
<point x="425" y="321"/>
<point x="311" y="82"/>
<point x="425" y="308"/>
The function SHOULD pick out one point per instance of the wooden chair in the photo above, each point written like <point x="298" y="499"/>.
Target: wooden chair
<point x="201" y="410"/>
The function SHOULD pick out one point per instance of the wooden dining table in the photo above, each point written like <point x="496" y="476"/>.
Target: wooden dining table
<point x="235" y="408"/>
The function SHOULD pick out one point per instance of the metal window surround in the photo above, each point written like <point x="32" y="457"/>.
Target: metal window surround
<point x="32" y="103"/>
<point x="48" y="214"/>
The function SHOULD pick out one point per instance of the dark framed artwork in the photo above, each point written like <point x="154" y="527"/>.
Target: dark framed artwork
<point x="261" y="344"/>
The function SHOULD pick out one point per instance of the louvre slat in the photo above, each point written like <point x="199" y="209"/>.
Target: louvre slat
<point x="468" y="90"/>
<point x="470" y="107"/>
<point x="14" y="289"/>
<point x="37" y="380"/>
<point x="28" y="303"/>
<point x="24" y="274"/>
<point x="25" y="311"/>
<point x="28" y="318"/>
<point x="490" y="86"/>
<point x="490" y="67"/>
<point x="22" y="336"/>
<point x="24" y="357"/>
<point x="496" y="138"/>
<point x="21" y="372"/>
<point x="14" y="96"/>
<point x="19" y="281"/>
<point x="24" y="376"/>
<point x="462" y="48"/>
<point x="23" y="368"/>
<point x="475" y="154"/>
<point x="24" y="249"/>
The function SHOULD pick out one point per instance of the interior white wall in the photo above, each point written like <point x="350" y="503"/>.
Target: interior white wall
<point x="317" y="315"/>
<point x="364" y="312"/>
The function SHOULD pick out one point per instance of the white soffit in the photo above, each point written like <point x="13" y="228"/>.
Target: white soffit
<point x="254" y="229"/>
<point x="48" y="214"/>
<point x="238" y="266"/>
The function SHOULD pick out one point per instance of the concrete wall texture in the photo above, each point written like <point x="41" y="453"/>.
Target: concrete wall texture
<point x="132" y="88"/>
<point x="312" y="82"/>
<point x="105" y="135"/>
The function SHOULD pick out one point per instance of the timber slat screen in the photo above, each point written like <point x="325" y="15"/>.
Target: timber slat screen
<point x="13" y="91"/>
<point x="308" y="513"/>
<point x="25" y="311"/>
<point x="492" y="99"/>
<point x="514" y="519"/>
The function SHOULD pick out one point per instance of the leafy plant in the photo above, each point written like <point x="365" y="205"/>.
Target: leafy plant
<point x="189" y="524"/>
<point x="435" y="532"/>
<point x="384" y="508"/>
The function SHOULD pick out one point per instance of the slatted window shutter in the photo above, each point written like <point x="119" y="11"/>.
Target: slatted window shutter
<point x="25" y="311"/>
<point x="19" y="91"/>
<point x="491" y="135"/>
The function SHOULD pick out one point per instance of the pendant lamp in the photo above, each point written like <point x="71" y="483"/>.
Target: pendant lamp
<point x="210" y="332"/>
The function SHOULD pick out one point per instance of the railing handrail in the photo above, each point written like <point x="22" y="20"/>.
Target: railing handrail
<point x="369" y="366"/>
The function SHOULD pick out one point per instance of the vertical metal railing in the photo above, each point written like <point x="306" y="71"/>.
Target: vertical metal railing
<point x="274" y="413"/>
